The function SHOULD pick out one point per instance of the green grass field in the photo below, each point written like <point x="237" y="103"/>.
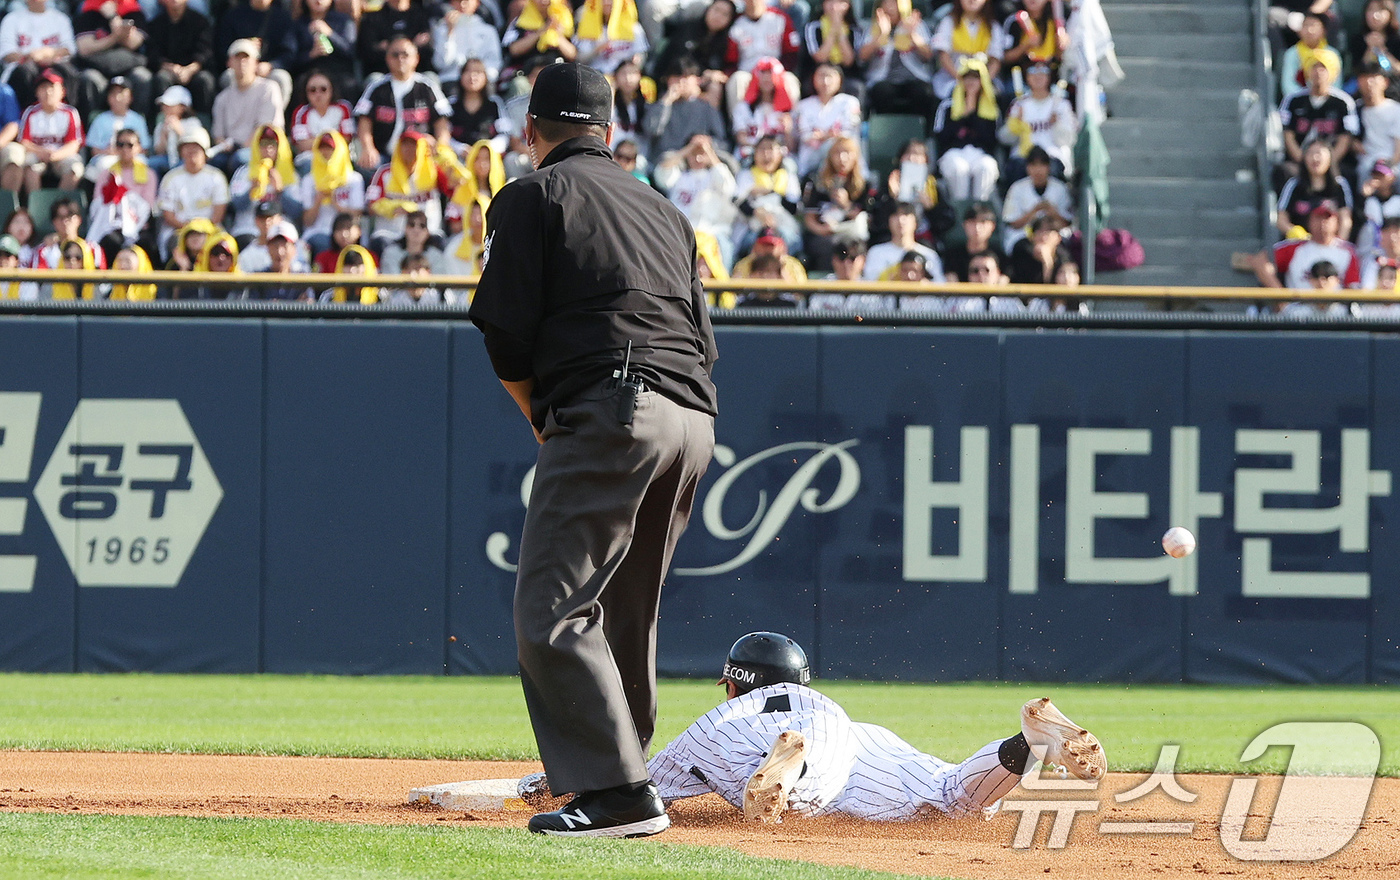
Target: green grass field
<point x="484" y="718"/>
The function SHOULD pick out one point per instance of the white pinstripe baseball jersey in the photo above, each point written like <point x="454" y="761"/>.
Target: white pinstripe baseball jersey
<point x="855" y="769"/>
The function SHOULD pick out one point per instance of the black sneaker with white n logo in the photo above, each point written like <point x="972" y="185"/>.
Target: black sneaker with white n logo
<point x="613" y="812"/>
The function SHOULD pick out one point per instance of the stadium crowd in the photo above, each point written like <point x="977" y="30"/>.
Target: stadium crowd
<point x="1338" y="205"/>
<point x="892" y="141"/>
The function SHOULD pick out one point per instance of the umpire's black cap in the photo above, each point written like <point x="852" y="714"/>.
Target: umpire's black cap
<point x="572" y="93"/>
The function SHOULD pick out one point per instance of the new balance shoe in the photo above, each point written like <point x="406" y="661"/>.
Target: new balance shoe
<point x="766" y="795"/>
<point x="1054" y="739"/>
<point x="612" y="812"/>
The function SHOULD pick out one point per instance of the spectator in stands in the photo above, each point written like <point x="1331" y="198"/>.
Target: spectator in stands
<point x="542" y="32"/>
<point x="333" y="187"/>
<point x="192" y="190"/>
<point x="176" y="120"/>
<point x="769" y="195"/>
<point x="269" y="176"/>
<point x="9" y="260"/>
<point x="1033" y="38"/>
<point x="826" y="114"/>
<point x="1319" y="182"/>
<point x="766" y="108"/>
<point x="1319" y="112"/>
<point x="1378" y="42"/>
<point x="268" y="26"/>
<point x="76" y="255"/>
<point x="965" y="130"/>
<point x="1040" y="118"/>
<point x="118" y="117"/>
<point x="461" y="255"/>
<point x="132" y="259"/>
<point x="971" y="31"/>
<point x="1286" y="18"/>
<point x="250" y="101"/>
<point x="698" y="182"/>
<point x="1387" y="252"/>
<point x="410" y="184"/>
<point x="836" y="38"/>
<point x="345" y="231"/>
<point x="324" y="111"/>
<point x="848" y="264"/>
<point x="124" y="199"/>
<point x="984" y="267"/>
<point x="325" y="41"/>
<point x="11" y="153"/>
<point x="836" y="200"/>
<point x="416" y="241"/>
<point x="415" y="266"/>
<point x="1038" y="194"/>
<point x="705" y="42"/>
<point x="897" y="52"/>
<point x="399" y="102"/>
<point x="629" y="155"/>
<point x="282" y="259"/>
<point x="66" y="218"/>
<point x="682" y="113"/>
<point x="219" y="256"/>
<point x="188" y="242"/>
<point x="1312" y="44"/>
<point x="1037" y="258"/>
<point x="1381" y="202"/>
<point x="110" y="39"/>
<point x="460" y="36"/>
<point x="770" y="244"/>
<point x="609" y="34"/>
<point x="34" y="40"/>
<point x="20" y="226"/>
<point x="51" y="134"/>
<point x="767" y="266"/>
<point x="979" y="227"/>
<point x="920" y="190"/>
<point x="903" y="223"/>
<point x="180" y="52"/>
<point x="763" y="31"/>
<point x="477" y="114"/>
<point x="1380" y="122"/>
<point x="252" y="248"/>
<point x="408" y="19"/>
<point x="630" y="103"/>
<point x="353" y="260"/>
<point x="1294" y="258"/>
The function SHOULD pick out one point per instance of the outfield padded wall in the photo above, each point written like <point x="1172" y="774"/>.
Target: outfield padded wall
<point x="926" y="504"/>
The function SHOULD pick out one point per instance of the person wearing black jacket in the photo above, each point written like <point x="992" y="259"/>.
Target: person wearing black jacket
<point x="179" y="49"/>
<point x="965" y="130"/>
<point x="595" y="323"/>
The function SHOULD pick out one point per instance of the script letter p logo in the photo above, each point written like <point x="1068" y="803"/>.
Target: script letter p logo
<point x="1322" y="800"/>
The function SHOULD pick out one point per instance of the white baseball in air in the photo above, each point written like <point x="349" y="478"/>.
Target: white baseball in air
<point x="1179" y="542"/>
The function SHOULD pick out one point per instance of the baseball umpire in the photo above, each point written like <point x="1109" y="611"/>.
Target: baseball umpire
<point x="596" y="325"/>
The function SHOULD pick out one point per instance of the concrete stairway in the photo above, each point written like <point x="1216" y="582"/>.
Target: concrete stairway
<point x="1179" y="179"/>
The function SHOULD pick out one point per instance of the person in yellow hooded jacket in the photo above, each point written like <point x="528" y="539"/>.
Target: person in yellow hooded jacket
<point x="354" y="260"/>
<point x="132" y="259"/>
<point x="269" y="176"/>
<point x="543" y="31"/>
<point x="409" y="184"/>
<point x="332" y="187"/>
<point x="965" y="129"/>
<point x="219" y="256"/>
<point x="76" y="254"/>
<point x="609" y="34"/>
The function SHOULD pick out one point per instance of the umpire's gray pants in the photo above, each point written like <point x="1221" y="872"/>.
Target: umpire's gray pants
<point x="608" y="504"/>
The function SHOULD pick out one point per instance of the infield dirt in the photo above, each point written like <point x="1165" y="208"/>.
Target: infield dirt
<point x="374" y="791"/>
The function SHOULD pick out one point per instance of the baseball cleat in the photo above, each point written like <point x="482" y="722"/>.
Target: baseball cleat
<point x="1054" y="739"/>
<point x="534" y="790"/>
<point x="766" y="795"/>
<point x="612" y="812"/>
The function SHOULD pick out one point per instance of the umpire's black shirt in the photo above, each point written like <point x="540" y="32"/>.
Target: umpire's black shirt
<point x="581" y="258"/>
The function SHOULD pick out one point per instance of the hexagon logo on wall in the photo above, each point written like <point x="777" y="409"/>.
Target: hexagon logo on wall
<point x="128" y="493"/>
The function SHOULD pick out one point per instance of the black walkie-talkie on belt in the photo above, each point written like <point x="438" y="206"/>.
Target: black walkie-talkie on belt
<point x="629" y="386"/>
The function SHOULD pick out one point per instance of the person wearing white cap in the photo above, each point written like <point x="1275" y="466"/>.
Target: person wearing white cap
<point x="176" y="120"/>
<point x="250" y="100"/>
<point x="193" y="189"/>
<point x="283" y="259"/>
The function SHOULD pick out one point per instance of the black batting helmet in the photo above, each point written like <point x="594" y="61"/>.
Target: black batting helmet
<point x="763" y="658"/>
